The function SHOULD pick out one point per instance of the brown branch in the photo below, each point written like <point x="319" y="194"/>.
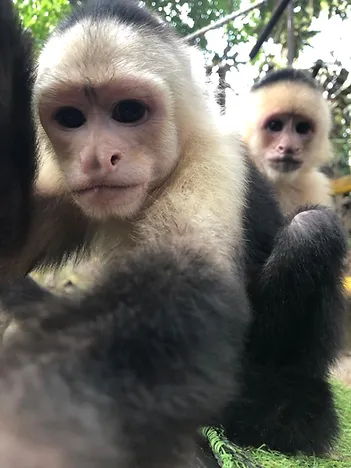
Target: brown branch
<point x="223" y="21"/>
<point x="277" y="13"/>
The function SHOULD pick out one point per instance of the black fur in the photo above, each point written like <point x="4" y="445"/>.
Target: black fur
<point x="125" y="11"/>
<point x="295" y="287"/>
<point x="287" y="74"/>
<point x="17" y="164"/>
<point x="263" y="220"/>
<point x="141" y="345"/>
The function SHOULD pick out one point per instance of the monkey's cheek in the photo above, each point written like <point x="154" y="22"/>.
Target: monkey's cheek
<point x="121" y="202"/>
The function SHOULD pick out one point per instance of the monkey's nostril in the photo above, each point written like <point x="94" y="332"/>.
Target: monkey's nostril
<point x="114" y="160"/>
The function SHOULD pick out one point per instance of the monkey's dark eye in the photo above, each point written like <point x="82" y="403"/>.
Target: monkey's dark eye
<point x="275" y="125"/>
<point x="129" y="111"/>
<point x="303" y="127"/>
<point x="70" y="117"/>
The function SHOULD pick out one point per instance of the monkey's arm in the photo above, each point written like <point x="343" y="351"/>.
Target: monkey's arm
<point x="17" y="137"/>
<point x="294" y="271"/>
<point x="299" y="297"/>
<point x="29" y="225"/>
<point x="56" y="230"/>
<point x="161" y="337"/>
<point x="294" y="284"/>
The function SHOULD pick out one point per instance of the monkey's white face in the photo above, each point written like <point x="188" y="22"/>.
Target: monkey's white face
<point x="114" y="142"/>
<point x="285" y="143"/>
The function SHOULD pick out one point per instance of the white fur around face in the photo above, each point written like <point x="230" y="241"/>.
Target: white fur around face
<point x="204" y="195"/>
<point x="289" y="98"/>
<point x="307" y="184"/>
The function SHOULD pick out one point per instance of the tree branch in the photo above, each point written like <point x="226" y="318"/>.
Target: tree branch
<point x="277" y="13"/>
<point x="223" y="21"/>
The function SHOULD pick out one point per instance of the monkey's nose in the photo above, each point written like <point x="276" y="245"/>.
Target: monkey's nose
<point x="286" y="150"/>
<point x="102" y="161"/>
<point x="114" y="159"/>
<point x="108" y="162"/>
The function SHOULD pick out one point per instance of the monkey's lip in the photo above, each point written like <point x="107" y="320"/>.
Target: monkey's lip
<point x="103" y="187"/>
<point x="103" y="195"/>
<point x="287" y="164"/>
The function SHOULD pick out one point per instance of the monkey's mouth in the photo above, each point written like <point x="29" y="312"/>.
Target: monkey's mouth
<point x="101" y="187"/>
<point x="102" y="193"/>
<point x="287" y="164"/>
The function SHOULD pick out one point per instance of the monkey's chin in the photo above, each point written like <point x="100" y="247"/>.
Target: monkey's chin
<point x="283" y="170"/>
<point x="277" y="176"/>
<point x="106" y="202"/>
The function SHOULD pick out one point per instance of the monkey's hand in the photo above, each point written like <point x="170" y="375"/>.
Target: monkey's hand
<point x="299" y="294"/>
<point x="314" y="235"/>
<point x="162" y="336"/>
<point x="22" y="301"/>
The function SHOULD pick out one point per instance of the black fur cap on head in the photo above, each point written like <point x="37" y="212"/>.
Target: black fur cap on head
<point x="128" y="12"/>
<point x="285" y="75"/>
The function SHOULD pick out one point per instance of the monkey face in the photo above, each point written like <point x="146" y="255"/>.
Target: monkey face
<point x="286" y="126"/>
<point x="285" y="140"/>
<point x="109" y="117"/>
<point x="114" y="142"/>
<point x="114" y="108"/>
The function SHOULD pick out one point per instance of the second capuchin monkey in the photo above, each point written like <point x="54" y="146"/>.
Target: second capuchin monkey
<point x="213" y="308"/>
<point x="287" y="128"/>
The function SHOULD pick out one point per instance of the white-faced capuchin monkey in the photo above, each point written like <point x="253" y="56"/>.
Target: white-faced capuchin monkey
<point x="213" y="308"/>
<point x="287" y="130"/>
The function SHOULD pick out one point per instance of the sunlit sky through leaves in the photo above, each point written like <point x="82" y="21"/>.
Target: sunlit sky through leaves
<point x="333" y="42"/>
